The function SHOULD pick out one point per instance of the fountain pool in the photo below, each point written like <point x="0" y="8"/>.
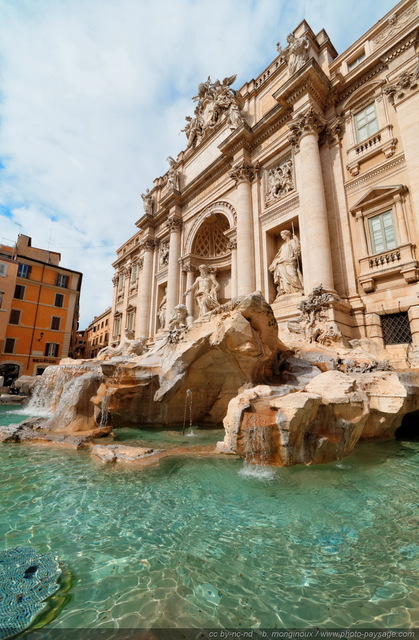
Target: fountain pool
<point x="212" y="543"/>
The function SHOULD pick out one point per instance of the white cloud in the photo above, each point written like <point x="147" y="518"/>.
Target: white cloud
<point x="93" y="94"/>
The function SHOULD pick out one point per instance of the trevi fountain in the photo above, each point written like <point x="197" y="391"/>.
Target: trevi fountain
<point x="219" y="477"/>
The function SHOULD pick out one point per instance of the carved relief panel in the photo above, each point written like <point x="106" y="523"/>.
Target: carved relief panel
<point x="279" y="181"/>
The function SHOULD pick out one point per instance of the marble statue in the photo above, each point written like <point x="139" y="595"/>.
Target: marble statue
<point x="148" y="202"/>
<point x="215" y="100"/>
<point x="205" y="288"/>
<point x="297" y="52"/>
<point x="127" y="347"/>
<point x="178" y="319"/>
<point x="162" y="310"/>
<point x="285" y="268"/>
<point x="173" y="175"/>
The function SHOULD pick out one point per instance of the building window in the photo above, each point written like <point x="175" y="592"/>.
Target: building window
<point x="62" y="281"/>
<point x="117" y="326"/>
<point x="55" y="323"/>
<point x="19" y="292"/>
<point x="15" y="316"/>
<point x="382" y="231"/>
<point x="366" y="123"/>
<point x="121" y="281"/>
<point x="356" y="61"/>
<point x="51" y="350"/>
<point x="59" y="300"/>
<point x="3" y="269"/>
<point x="130" y="320"/>
<point x="106" y="322"/>
<point x="9" y="345"/>
<point x="24" y="271"/>
<point x="134" y="272"/>
<point x="396" y="328"/>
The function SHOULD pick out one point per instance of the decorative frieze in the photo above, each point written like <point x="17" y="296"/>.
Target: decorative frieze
<point x="279" y="181"/>
<point x="395" y="23"/>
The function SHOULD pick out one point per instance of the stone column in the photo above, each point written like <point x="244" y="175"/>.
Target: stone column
<point x="232" y="245"/>
<point x="314" y="225"/>
<point x="244" y="174"/>
<point x="115" y="281"/>
<point x="127" y="274"/>
<point x="175" y="225"/>
<point x="190" y="279"/>
<point x="144" y="289"/>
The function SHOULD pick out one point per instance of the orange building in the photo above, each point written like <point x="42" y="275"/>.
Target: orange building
<point x="42" y="311"/>
<point x="96" y="335"/>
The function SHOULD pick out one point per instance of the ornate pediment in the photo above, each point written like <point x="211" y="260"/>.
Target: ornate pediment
<point x="374" y="195"/>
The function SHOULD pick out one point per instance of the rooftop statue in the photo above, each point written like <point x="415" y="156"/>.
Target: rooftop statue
<point x="297" y="52"/>
<point x="148" y="202"/>
<point x="214" y="99"/>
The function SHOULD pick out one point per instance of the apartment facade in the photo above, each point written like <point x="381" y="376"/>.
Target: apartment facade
<point x="96" y="336"/>
<point x="42" y="311"/>
<point x="320" y="150"/>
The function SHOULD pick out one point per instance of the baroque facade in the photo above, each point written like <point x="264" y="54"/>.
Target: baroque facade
<point x="305" y="179"/>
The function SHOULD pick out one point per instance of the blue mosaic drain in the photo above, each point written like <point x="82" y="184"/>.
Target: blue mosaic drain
<point x="27" y="579"/>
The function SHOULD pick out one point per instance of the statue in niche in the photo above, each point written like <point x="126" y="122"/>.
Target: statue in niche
<point x="285" y="266"/>
<point x="172" y="175"/>
<point x="206" y="290"/>
<point x="164" y="254"/>
<point x="127" y="347"/>
<point x="162" y="310"/>
<point x="297" y="52"/>
<point x="280" y="181"/>
<point x="148" y="202"/>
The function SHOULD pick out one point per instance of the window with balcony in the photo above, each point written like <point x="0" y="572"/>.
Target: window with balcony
<point x="382" y="232"/>
<point x="24" y="270"/>
<point x="366" y="123"/>
<point x="14" y="316"/>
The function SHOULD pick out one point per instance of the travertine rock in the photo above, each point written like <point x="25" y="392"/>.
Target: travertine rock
<point x="121" y="453"/>
<point x="321" y="423"/>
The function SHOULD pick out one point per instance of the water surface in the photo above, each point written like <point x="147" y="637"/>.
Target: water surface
<point x="211" y="542"/>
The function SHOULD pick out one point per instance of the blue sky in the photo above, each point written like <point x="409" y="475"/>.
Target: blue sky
<point x="93" y="95"/>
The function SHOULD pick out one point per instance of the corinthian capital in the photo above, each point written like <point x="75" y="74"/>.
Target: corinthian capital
<point x="244" y="172"/>
<point x="115" y="280"/>
<point x="308" y="122"/>
<point x="174" y="224"/>
<point x="149" y="244"/>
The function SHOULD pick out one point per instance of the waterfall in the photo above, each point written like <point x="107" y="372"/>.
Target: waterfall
<point x="188" y="409"/>
<point x="48" y="390"/>
<point x="259" y="446"/>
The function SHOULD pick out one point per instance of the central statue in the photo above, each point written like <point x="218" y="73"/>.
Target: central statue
<point x="206" y="289"/>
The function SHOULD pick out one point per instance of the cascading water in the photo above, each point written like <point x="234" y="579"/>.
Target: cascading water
<point x="259" y="447"/>
<point x="48" y="389"/>
<point x="188" y="410"/>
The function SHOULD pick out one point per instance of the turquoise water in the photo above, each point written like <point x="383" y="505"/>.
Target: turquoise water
<point x="207" y="543"/>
